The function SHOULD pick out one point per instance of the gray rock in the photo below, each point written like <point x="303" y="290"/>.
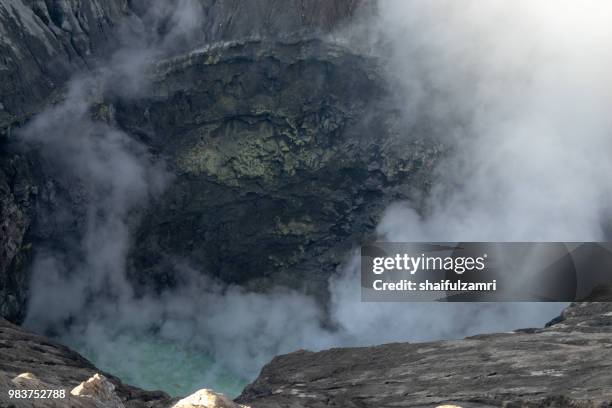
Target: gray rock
<point x="32" y="362"/>
<point x="45" y="41"/>
<point x="285" y="154"/>
<point x="206" y="398"/>
<point x="566" y="364"/>
<point x="44" y="44"/>
<point x="18" y="192"/>
<point x="57" y="367"/>
<point x="268" y="19"/>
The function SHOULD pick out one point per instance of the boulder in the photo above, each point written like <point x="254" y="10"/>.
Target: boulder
<point x="99" y="389"/>
<point x="32" y="362"/>
<point x="206" y="398"/>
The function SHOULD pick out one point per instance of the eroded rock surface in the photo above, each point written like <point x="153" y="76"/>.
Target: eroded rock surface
<point x="206" y="398"/>
<point x="566" y="364"/>
<point x="43" y="44"/>
<point x="18" y="192"/>
<point x="100" y="390"/>
<point x="29" y="361"/>
<point x="285" y="154"/>
<point x="32" y="362"/>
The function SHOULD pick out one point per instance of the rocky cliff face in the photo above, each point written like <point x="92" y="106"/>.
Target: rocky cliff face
<point x="283" y="151"/>
<point x="564" y="365"/>
<point x="18" y="191"/>
<point x="284" y="154"/>
<point x="55" y="367"/>
<point x="267" y="19"/>
<point x="198" y="129"/>
<point x="33" y="364"/>
<point x="42" y="44"/>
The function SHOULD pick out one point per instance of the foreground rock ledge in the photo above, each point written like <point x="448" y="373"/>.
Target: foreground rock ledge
<point x="32" y="362"/>
<point x="29" y="361"/>
<point x="568" y="363"/>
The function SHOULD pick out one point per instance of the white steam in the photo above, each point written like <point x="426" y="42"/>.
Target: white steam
<point x="115" y="174"/>
<point x="526" y="89"/>
<point x="520" y="91"/>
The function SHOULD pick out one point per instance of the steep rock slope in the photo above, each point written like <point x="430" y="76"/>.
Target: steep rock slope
<point x="18" y="192"/>
<point x="57" y="367"/>
<point x="42" y="43"/>
<point x="285" y="154"/>
<point x="566" y="364"/>
<point x="31" y="363"/>
<point x="45" y="43"/>
<point x="224" y="20"/>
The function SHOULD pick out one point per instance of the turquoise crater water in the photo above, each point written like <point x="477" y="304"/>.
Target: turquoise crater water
<point x="156" y="364"/>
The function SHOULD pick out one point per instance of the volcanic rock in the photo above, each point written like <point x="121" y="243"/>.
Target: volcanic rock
<point x="566" y="364"/>
<point x="29" y="361"/>
<point x="46" y="43"/>
<point x="206" y="398"/>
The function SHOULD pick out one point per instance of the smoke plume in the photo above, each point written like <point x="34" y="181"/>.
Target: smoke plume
<point x="114" y="173"/>
<point x="524" y="90"/>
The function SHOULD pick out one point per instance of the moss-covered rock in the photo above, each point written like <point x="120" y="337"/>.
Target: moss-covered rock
<point x="285" y="154"/>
